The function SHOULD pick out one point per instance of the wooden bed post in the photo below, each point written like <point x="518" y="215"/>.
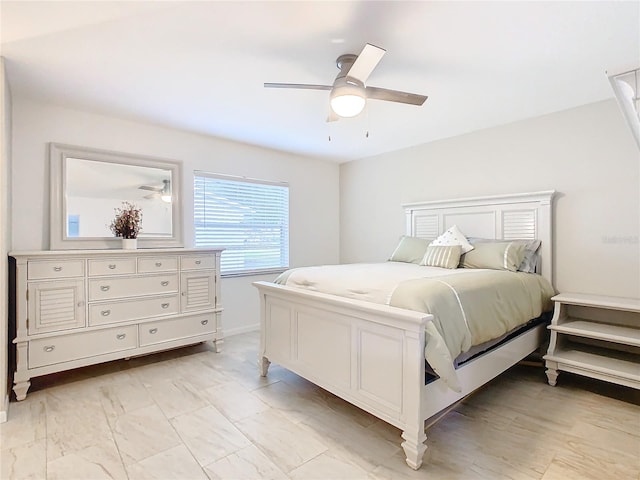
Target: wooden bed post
<point x="263" y="362"/>
<point x="413" y="390"/>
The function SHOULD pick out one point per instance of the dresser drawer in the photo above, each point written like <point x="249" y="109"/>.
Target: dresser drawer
<point x="121" y="311"/>
<point x="157" y="264"/>
<point x="48" y="351"/>
<point x="175" y="329"/>
<point x="44" y="269"/>
<point x="111" y="288"/>
<point x="112" y="266"/>
<point x="198" y="262"/>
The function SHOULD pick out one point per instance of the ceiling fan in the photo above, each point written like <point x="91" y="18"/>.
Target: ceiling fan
<point x="349" y="93"/>
<point x="161" y="191"/>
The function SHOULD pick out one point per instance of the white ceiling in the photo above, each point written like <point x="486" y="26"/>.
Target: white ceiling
<point x="200" y="66"/>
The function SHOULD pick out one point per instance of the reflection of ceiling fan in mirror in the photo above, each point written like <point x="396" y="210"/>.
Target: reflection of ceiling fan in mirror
<point x="163" y="192"/>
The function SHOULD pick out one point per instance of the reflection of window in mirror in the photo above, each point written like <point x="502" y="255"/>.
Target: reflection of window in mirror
<point x="73" y="225"/>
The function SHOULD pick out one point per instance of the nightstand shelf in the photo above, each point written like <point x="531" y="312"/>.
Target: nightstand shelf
<point x="595" y="336"/>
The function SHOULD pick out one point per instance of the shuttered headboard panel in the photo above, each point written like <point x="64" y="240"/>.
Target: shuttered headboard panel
<point x="508" y="217"/>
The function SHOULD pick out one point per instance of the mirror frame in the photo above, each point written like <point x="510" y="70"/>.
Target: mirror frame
<point x="58" y="154"/>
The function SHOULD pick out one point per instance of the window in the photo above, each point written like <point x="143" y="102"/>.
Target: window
<point x="249" y="218"/>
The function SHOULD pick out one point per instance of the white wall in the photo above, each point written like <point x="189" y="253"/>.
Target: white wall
<point x="314" y="184"/>
<point x="587" y="154"/>
<point x="5" y="235"/>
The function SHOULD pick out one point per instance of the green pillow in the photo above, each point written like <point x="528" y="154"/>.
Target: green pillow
<point x="495" y="255"/>
<point x="410" y="250"/>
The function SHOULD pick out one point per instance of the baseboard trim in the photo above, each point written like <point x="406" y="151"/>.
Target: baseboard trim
<point x="4" y="413"/>
<point x="237" y="331"/>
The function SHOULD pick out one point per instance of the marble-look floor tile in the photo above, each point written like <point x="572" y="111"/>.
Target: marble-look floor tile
<point x="176" y="397"/>
<point x="290" y="401"/>
<point x="234" y="401"/>
<point x="95" y="463"/>
<point x="74" y="424"/>
<point x="329" y="464"/>
<point x="248" y="463"/>
<point x="208" y="434"/>
<point x="142" y="433"/>
<point x="26" y="461"/>
<point x="28" y="422"/>
<point x="123" y="395"/>
<point x="175" y="463"/>
<point x="287" y="444"/>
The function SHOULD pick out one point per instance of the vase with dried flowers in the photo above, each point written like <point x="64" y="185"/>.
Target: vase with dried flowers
<point x="127" y="224"/>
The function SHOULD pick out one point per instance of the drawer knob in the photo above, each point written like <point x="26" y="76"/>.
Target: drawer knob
<point x="204" y="322"/>
<point x="105" y="288"/>
<point x="112" y="266"/>
<point x="165" y="283"/>
<point x="153" y="331"/>
<point x="105" y="313"/>
<point x="81" y="303"/>
<point x="158" y="264"/>
<point x="165" y="305"/>
<point x="57" y="269"/>
<point x="121" y="336"/>
<point x="198" y="262"/>
<point x="49" y="348"/>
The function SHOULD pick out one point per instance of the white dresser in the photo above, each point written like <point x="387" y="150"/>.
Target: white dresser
<point x="77" y="308"/>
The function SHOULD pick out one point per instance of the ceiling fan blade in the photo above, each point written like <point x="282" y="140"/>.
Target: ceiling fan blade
<point x="395" y="96"/>
<point x="365" y="63"/>
<point x="298" y="85"/>
<point x="151" y="195"/>
<point x="150" y="188"/>
<point x="333" y="116"/>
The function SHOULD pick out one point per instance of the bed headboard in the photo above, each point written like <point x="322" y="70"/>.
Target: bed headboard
<point x="509" y="217"/>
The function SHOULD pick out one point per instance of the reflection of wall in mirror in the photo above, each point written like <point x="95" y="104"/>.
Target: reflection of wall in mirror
<point x="90" y="217"/>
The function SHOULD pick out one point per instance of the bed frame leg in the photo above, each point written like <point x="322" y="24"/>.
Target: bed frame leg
<point x="263" y="364"/>
<point x="414" y="447"/>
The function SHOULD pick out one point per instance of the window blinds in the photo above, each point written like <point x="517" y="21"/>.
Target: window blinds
<point x="249" y="218"/>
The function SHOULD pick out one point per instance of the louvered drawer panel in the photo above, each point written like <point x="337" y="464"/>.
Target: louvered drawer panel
<point x="111" y="288"/>
<point x="122" y="311"/>
<point x="55" y="306"/>
<point x="52" y="350"/>
<point x="198" y="262"/>
<point x="46" y="269"/>
<point x="175" y="329"/>
<point x="112" y="266"/>
<point x="198" y="291"/>
<point x="157" y="264"/>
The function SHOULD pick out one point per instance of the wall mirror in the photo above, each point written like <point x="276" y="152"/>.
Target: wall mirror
<point x="87" y="185"/>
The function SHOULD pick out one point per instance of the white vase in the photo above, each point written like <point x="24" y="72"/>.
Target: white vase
<point x="129" y="243"/>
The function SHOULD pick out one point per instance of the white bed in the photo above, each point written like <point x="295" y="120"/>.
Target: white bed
<point x="372" y="355"/>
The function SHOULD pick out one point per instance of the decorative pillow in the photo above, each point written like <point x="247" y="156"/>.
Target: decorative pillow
<point x="442" y="256"/>
<point x="495" y="255"/>
<point x="453" y="236"/>
<point x="531" y="258"/>
<point x="410" y="250"/>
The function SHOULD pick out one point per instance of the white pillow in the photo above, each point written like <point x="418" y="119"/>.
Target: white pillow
<point x="453" y="236"/>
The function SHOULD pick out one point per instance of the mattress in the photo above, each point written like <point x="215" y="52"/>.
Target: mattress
<point x="470" y="306"/>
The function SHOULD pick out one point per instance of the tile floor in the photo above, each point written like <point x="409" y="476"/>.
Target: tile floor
<point x="195" y="414"/>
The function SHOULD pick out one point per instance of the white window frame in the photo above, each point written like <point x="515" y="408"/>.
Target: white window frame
<point x="234" y="253"/>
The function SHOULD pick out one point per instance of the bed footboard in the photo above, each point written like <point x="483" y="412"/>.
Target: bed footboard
<point x="370" y="355"/>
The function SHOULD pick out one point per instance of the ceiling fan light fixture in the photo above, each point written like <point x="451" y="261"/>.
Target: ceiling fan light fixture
<point x="348" y="100"/>
<point x="165" y="194"/>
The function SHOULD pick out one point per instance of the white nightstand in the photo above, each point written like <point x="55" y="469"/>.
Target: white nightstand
<point x="595" y="336"/>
